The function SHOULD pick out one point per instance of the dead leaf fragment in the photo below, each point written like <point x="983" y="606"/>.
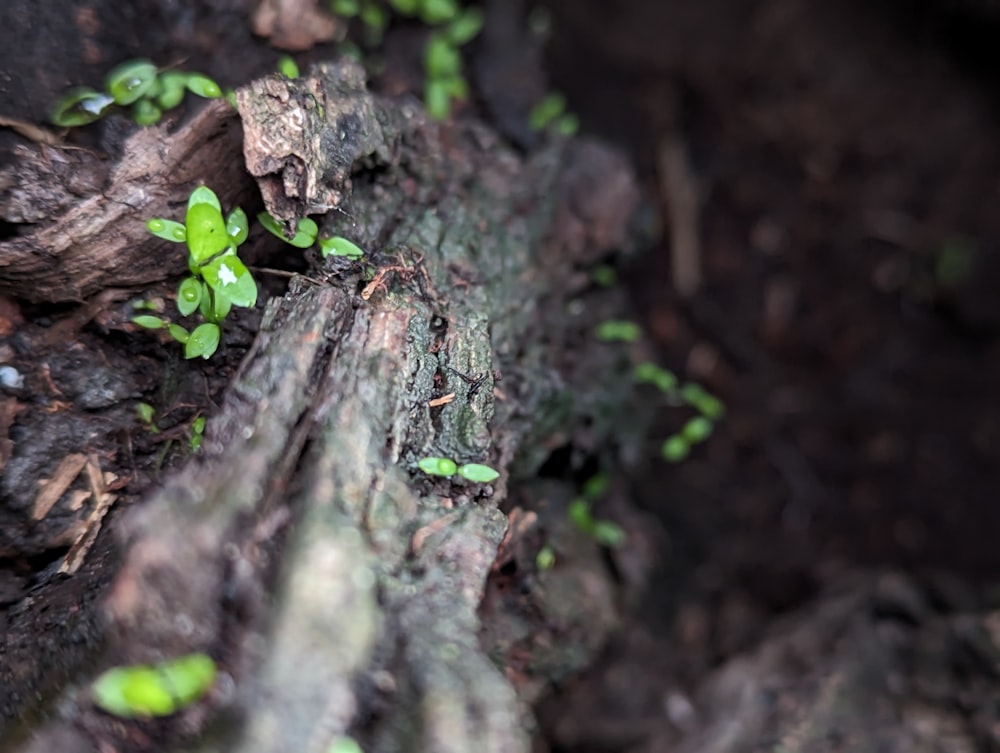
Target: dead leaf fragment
<point x="294" y="24"/>
<point x="52" y="489"/>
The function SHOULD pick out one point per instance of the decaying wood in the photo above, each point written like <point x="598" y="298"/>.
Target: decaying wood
<point x="83" y="218"/>
<point x="307" y="474"/>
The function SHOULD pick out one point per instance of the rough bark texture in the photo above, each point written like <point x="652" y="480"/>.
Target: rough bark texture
<point x="307" y="474"/>
<point x="88" y="213"/>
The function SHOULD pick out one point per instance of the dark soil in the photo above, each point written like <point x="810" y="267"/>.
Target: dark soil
<point x="848" y="169"/>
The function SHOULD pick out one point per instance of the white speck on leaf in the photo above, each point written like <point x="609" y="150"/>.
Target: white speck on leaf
<point x="226" y="275"/>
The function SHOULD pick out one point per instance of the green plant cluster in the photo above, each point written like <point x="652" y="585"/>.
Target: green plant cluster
<point x="710" y="409"/>
<point x="551" y="113"/>
<point x="307" y="233"/>
<point x="695" y="430"/>
<point x="604" y="532"/>
<point x="137" y="84"/>
<point x="446" y="467"/>
<point x="218" y="280"/>
<point x="454" y="27"/>
<point x="149" y="690"/>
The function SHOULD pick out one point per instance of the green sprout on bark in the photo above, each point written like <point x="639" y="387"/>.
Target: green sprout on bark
<point x="454" y="27"/>
<point x="149" y="690"/>
<point x="604" y="532"/>
<point x="137" y="84"/>
<point x="446" y="467"/>
<point x="307" y="233"/>
<point x="618" y="330"/>
<point x="218" y="280"/>
<point x="551" y="113"/>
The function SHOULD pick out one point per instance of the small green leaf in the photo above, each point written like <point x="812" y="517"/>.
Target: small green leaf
<point x="197" y="434"/>
<point x="608" y="534"/>
<point x="650" y="373"/>
<point x="456" y="87"/>
<point x="203" y="86"/>
<point x="80" y="107"/>
<point x="546" y="558"/>
<point x="130" y="81"/>
<point x="480" y="474"/>
<point x="145" y="412"/>
<point x="344" y="745"/>
<point x="698" y="429"/>
<point x="437" y="466"/>
<point x="465" y="28"/>
<point x="237" y="226"/>
<point x="437" y="99"/>
<point x="146" y="113"/>
<point x="618" y="330"/>
<point x="579" y="513"/>
<point x="203" y="341"/>
<point x="567" y="125"/>
<point x="338" y="246"/>
<point x="206" y="232"/>
<point x="597" y="486"/>
<point x="189" y="294"/>
<point x="434" y="12"/>
<point x="305" y="234"/>
<point x="188" y="677"/>
<point x="604" y="275"/>
<point x="168" y="230"/>
<point x="142" y="691"/>
<point x="133" y="692"/>
<point x="344" y="9"/>
<point x="288" y="67"/>
<point x="172" y="89"/>
<point x="177" y="332"/>
<point x="149" y="322"/>
<point x="550" y="108"/>
<point x="698" y="397"/>
<point x="406" y="7"/>
<point x="675" y="449"/>
<point x="231" y="280"/>
<point x="204" y="195"/>
<point x="441" y="58"/>
<point x="375" y="18"/>
<point x="215" y="307"/>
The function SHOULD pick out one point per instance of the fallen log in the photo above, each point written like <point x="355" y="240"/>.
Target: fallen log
<point x="337" y="585"/>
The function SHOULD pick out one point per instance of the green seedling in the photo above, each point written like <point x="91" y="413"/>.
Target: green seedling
<point x="136" y="84"/>
<point x="453" y="26"/>
<point x="604" y="275"/>
<point x="708" y="405"/>
<point x="147" y="414"/>
<point x="344" y="745"/>
<point x="604" y="532"/>
<point x="551" y="113"/>
<point x="434" y="466"/>
<point x="197" y="434"/>
<point x="218" y="280"/>
<point x="306" y="234"/>
<point x="617" y="330"/>
<point x="474" y="472"/>
<point x="149" y="690"/>
<point x="546" y="558"/>
<point x="287" y="66"/>
<point x="663" y="379"/>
